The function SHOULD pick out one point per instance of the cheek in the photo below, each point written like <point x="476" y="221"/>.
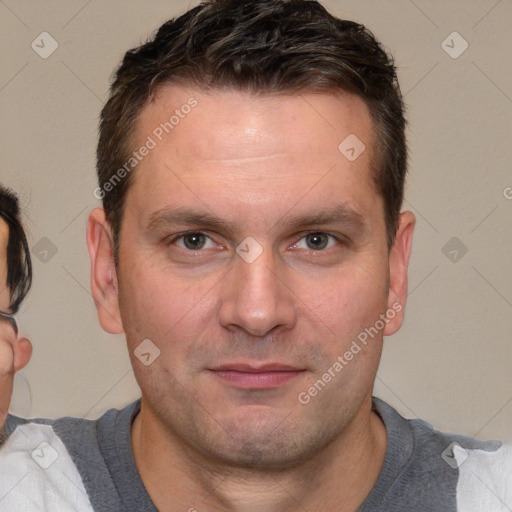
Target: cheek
<point x="346" y="309"/>
<point x="347" y="301"/>
<point x="158" y="305"/>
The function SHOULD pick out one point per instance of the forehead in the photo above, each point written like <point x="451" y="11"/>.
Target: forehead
<point x="265" y="146"/>
<point x="225" y="125"/>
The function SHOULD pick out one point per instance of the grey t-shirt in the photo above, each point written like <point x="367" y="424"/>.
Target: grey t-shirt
<point x="424" y="470"/>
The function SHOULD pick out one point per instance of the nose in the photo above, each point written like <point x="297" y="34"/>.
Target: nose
<point x="257" y="298"/>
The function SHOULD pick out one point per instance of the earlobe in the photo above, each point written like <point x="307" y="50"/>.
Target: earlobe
<point x="398" y="266"/>
<point x="103" y="272"/>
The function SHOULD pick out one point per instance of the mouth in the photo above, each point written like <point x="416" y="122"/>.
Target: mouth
<point x="255" y="376"/>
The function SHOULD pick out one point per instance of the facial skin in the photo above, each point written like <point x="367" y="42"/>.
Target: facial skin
<point x="4" y="291"/>
<point x="261" y="165"/>
<point x="15" y="352"/>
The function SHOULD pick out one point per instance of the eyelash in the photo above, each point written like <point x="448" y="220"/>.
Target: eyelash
<point x="338" y="239"/>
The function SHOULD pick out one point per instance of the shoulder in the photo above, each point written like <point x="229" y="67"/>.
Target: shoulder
<point x="485" y="479"/>
<point x="57" y="464"/>
<point x="38" y="474"/>
<point x="477" y="474"/>
<point x="482" y="469"/>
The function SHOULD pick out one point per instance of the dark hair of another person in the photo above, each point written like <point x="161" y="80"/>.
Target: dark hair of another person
<point x="260" y="47"/>
<point x="19" y="265"/>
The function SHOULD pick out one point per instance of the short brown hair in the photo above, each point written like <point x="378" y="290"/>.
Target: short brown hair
<point x="264" y="47"/>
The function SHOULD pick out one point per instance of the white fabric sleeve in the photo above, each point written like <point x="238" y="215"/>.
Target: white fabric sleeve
<point x="37" y="473"/>
<point x="485" y="480"/>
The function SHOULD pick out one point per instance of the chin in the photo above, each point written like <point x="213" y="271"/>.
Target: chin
<point x="267" y="446"/>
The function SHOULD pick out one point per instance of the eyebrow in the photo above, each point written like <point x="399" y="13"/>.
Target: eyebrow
<point x="341" y="214"/>
<point x="177" y="215"/>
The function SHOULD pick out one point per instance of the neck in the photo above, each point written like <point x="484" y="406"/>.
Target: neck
<point x="339" y="478"/>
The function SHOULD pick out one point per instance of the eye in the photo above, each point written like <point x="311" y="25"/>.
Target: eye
<point x="194" y="241"/>
<point x="317" y="241"/>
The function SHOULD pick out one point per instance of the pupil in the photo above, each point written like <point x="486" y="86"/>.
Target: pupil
<point x="194" y="242"/>
<point x="317" y="241"/>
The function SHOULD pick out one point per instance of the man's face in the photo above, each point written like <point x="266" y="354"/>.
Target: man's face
<point x="313" y="275"/>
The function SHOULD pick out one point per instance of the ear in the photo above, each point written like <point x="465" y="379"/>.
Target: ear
<point x="22" y="353"/>
<point x="103" y="272"/>
<point x="398" y="265"/>
<point x="21" y="350"/>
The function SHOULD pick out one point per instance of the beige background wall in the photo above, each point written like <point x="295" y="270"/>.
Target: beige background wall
<point x="451" y="363"/>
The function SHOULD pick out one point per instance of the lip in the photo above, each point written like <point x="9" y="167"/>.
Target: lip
<point x="255" y="367"/>
<point x="256" y="376"/>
